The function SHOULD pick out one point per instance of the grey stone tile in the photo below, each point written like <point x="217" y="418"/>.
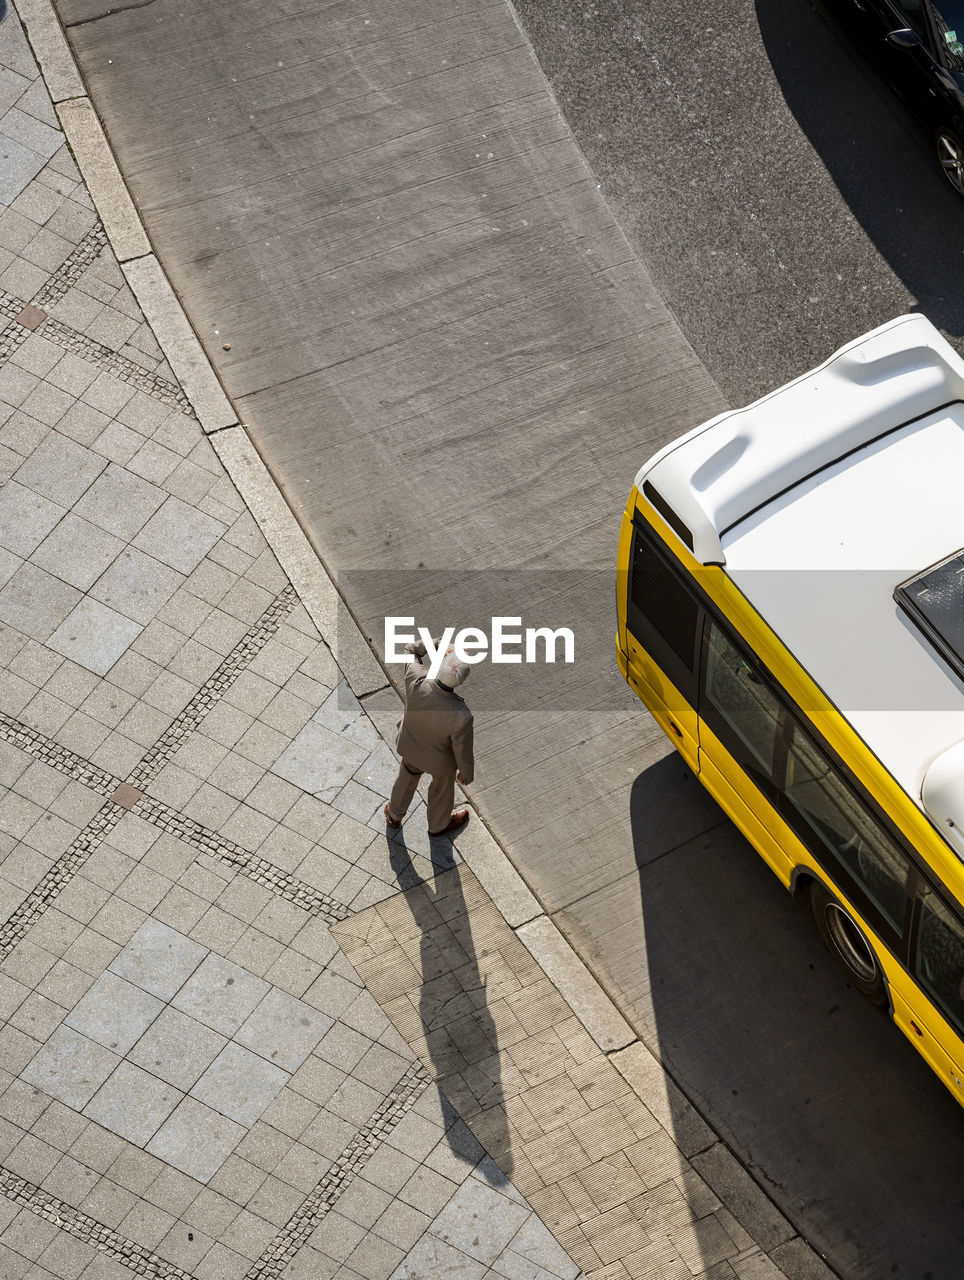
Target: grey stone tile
<point x="108" y="394"/>
<point x="137" y="585"/>
<point x="378" y="772"/>
<point x="36" y="603"/>
<point x="83" y="424"/>
<point x="115" y="1013"/>
<point x="37" y="355"/>
<point x="60" y="469"/>
<point x="12" y="87"/>
<point x="319" y="761"/>
<point x="119" y="502"/>
<point x="534" y="1251"/>
<point x="283" y="1030"/>
<point x="31" y="132"/>
<point x="16" y="384"/>
<point x="154" y="462"/>
<point x="133" y="1103"/>
<point x="20" y="432"/>
<point x="48" y="404"/>
<point x="479" y="1221"/>
<point x="94" y="635"/>
<point x="358" y="802"/>
<point x="240" y="1084"/>
<point x="220" y="994"/>
<point x="342" y="713"/>
<point x="158" y="959"/>
<point x="20" y="165"/>
<point x="25" y="518"/>
<point x="77" y="551"/>
<point x="179" y="535"/>
<point x="433" y="1257"/>
<point x="71" y="1067"/>
<point x="110" y="328"/>
<point x="177" y="1049"/>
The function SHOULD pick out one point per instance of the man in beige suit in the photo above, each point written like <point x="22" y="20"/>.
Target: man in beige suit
<point x="434" y="737"/>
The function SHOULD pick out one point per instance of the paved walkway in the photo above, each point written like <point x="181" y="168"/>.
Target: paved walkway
<point x="245" y="1033"/>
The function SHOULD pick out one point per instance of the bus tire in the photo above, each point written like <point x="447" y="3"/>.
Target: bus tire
<point x="844" y="939"/>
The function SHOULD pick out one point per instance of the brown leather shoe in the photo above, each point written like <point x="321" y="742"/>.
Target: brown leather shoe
<point x="459" y="818"/>
<point x="390" y="820"/>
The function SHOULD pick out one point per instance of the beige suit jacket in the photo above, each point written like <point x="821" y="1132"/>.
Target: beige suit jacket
<point x="435" y="734"/>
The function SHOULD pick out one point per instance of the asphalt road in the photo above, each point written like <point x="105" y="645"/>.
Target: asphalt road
<point x="452" y="356"/>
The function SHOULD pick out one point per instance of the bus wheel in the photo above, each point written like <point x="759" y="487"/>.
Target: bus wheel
<point x="844" y="939"/>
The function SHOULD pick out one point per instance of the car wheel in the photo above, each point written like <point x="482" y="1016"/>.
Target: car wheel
<point x="845" y="940"/>
<point x="950" y="156"/>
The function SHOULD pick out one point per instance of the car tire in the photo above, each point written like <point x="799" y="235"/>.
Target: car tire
<point x="844" y="939"/>
<point x="950" y="156"/>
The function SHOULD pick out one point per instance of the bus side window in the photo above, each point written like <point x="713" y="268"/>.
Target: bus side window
<point x="843" y="835"/>
<point x="740" y="707"/>
<point x="663" y="613"/>
<point x="938" y="960"/>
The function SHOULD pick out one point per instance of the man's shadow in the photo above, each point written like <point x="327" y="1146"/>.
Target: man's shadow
<point x="459" y="1037"/>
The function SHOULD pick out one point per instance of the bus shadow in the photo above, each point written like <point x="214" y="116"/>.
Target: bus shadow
<point x="820" y="1097"/>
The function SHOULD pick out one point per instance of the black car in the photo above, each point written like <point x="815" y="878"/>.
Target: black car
<point x="918" y="45"/>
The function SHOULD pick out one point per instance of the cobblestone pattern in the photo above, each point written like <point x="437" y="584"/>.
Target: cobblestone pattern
<point x="72" y="268"/>
<point x="593" y="1160"/>
<point x="83" y="1227"/>
<point x="79" y="344"/>
<point x="114" y="363"/>
<point x="57" y="757"/>
<point x="57" y="878"/>
<point x="14" y="335"/>
<point x="249" y="864"/>
<point x="348" y="1165"/>
<point x="210" y="694"/>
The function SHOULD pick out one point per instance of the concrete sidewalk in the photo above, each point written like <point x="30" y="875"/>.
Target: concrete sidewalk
<point x="227" y="995"/>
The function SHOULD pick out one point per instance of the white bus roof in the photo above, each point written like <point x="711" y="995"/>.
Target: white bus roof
<point x="819" y="501"/>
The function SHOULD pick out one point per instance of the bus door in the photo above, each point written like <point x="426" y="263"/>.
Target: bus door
<point x="742" y="742"/>
<point x="937" y="964"/>
<point x="663" y="622"/>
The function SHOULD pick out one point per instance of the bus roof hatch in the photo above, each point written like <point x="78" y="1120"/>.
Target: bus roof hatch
<point x="934" y="601"/>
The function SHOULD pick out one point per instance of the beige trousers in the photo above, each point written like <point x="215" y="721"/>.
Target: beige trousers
<point x="441" y="796"/>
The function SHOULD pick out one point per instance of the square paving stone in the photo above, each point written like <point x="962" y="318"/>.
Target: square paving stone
<point x="240" y="1085"/>
<point x="177" y="1049"/>
<point x="77" y="551"/>
<point x="133" y="1103"/>
<point x="60" y="469"/>
<point x="179" y="535"/>
<point x="137" y="585"/>
<point x="319" y="760"/>
<point x="196" y="1139"/>
<point x="114" y="1012"/>
<point x="35" y="603"/>
<point x="432" y="1257"/>
<point x="221" y="994"/>
<point x="94" y="636"/>
<point x="283" y="1030"/>
<point x="158" y="959"/>
<point x="25" y="518"/>
<point x="535" y="1247"/>
<point x="20" y="166"/>
<point x="70" y="1067"/>
<point x="119" y="502"/>
<point x="480" y="1221"/>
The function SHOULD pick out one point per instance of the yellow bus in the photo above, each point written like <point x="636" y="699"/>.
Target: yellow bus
<point x="790" y="600"/>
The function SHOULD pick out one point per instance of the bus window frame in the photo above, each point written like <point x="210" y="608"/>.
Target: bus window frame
<point x="837" y="876"/>
<point x="685" y="681"/>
